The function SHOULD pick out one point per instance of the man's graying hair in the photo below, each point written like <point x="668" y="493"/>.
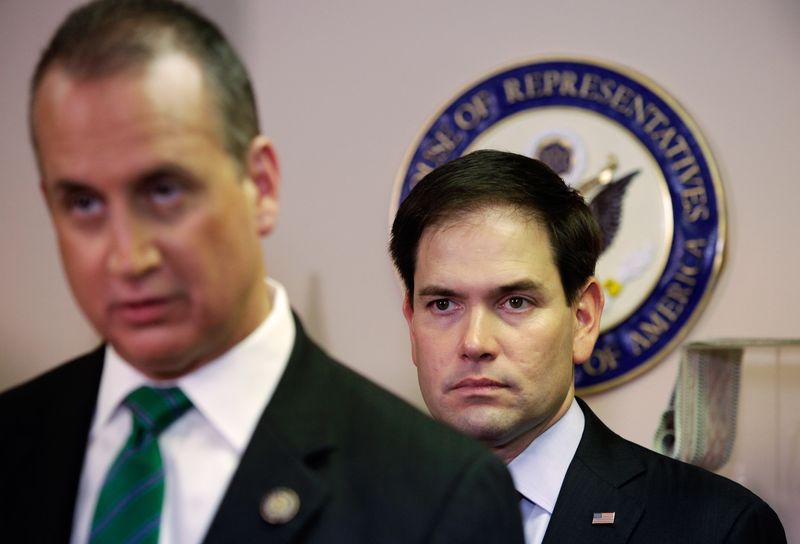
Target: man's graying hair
<point x="106" y="37"/>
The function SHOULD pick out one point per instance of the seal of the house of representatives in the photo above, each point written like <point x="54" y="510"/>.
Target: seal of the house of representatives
<point x="641" y="164"/>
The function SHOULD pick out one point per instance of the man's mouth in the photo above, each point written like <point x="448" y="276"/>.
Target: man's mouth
<point x="478" y="384"/>
<point x="143" y="311"/>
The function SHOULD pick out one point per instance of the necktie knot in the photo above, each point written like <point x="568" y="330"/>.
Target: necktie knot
<point x="155" y="409"/>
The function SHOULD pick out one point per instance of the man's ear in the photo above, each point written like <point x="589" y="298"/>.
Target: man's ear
<point x="408" y="308"/>
<point x="264" y="172"/>
<point x="408" y="313"/>
<point x="47" y="196"/>
<point x="43" y="192"/>
<point x="588" y="308"/>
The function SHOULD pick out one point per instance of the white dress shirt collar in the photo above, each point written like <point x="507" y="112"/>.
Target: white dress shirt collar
<point x="231" y="391"/>
<point x="539" y="470"/>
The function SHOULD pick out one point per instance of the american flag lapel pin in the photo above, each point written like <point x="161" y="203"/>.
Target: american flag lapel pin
<point x="603" y="518"/>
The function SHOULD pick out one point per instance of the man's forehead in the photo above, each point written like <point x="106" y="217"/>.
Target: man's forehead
<point x="499" y="244"/>
<point x="477" y="218"/>
<point x="170" y="69"/>
<point x="169" y="90"/>
<point x="124" y="123"/>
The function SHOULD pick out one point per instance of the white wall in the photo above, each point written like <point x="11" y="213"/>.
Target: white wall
<point x="344" y="89"/>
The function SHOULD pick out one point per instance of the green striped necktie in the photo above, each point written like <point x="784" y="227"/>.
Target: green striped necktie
<point x="129" y="508"/>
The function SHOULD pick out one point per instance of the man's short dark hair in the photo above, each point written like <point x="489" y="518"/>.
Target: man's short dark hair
<point x="496" y="178"/>
<point x="105" y="37"/>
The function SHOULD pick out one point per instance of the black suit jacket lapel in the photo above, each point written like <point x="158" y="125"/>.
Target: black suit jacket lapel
<point x="293" y="432"/>
<point x="594" y="483"/>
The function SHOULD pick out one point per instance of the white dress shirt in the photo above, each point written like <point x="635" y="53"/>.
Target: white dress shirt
<point x="202" y="449"/>
<point x="539" y="471"/>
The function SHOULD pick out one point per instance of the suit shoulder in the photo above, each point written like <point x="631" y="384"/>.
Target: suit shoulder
<point x="735" y="509"/>
<point x="384" y="412"/>
<point x="719" y="501"/>
<point x="370" y="420"/>
<point x="53" y="408"/>
<point x="414" y="468"/>
<point x="52" y="384"/>
<point x="666" y="477"/>
<point x="697" y="481"/>
<point x="710" y="507"/>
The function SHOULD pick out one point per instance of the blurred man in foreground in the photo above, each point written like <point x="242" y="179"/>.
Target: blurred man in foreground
<point x="497" y="255"/>
<point x="208" y="414"/>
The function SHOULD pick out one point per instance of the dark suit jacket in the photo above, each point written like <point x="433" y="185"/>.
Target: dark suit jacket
<point x="656" y="499"/>
<point x="366" y="466"/>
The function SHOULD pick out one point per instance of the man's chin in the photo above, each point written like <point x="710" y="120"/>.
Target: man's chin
<point x="490" y="425"/>
<point x="157" y="356"/>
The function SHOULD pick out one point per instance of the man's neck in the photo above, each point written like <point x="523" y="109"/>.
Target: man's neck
<point x="508" y="451"/>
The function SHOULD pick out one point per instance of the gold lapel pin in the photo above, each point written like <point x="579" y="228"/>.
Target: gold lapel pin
<point x="280" y="506"/>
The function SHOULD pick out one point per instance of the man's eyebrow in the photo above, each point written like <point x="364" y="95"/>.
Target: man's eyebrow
<point x="513" y="287"/>
<point x="521" y="285"/>
<point x="436" y="291"/>
<point x="67" y="185"/>
<point x="63" y="186"/>
<point x="161" y="172"/>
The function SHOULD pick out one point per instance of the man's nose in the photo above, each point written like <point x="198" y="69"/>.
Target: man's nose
<point x="480" y="341"/>
<point x="133" y="252"/>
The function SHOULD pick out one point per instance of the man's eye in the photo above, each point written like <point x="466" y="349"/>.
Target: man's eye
<point x="165" y="192"/>
<point x="442" y="305"/>
<point x="517" y="303"/>
<point x="83" y="204"/>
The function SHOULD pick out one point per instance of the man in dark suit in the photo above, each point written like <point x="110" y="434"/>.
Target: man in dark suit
<point x="497" y="256"/>
<point x="207" y="415"/>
